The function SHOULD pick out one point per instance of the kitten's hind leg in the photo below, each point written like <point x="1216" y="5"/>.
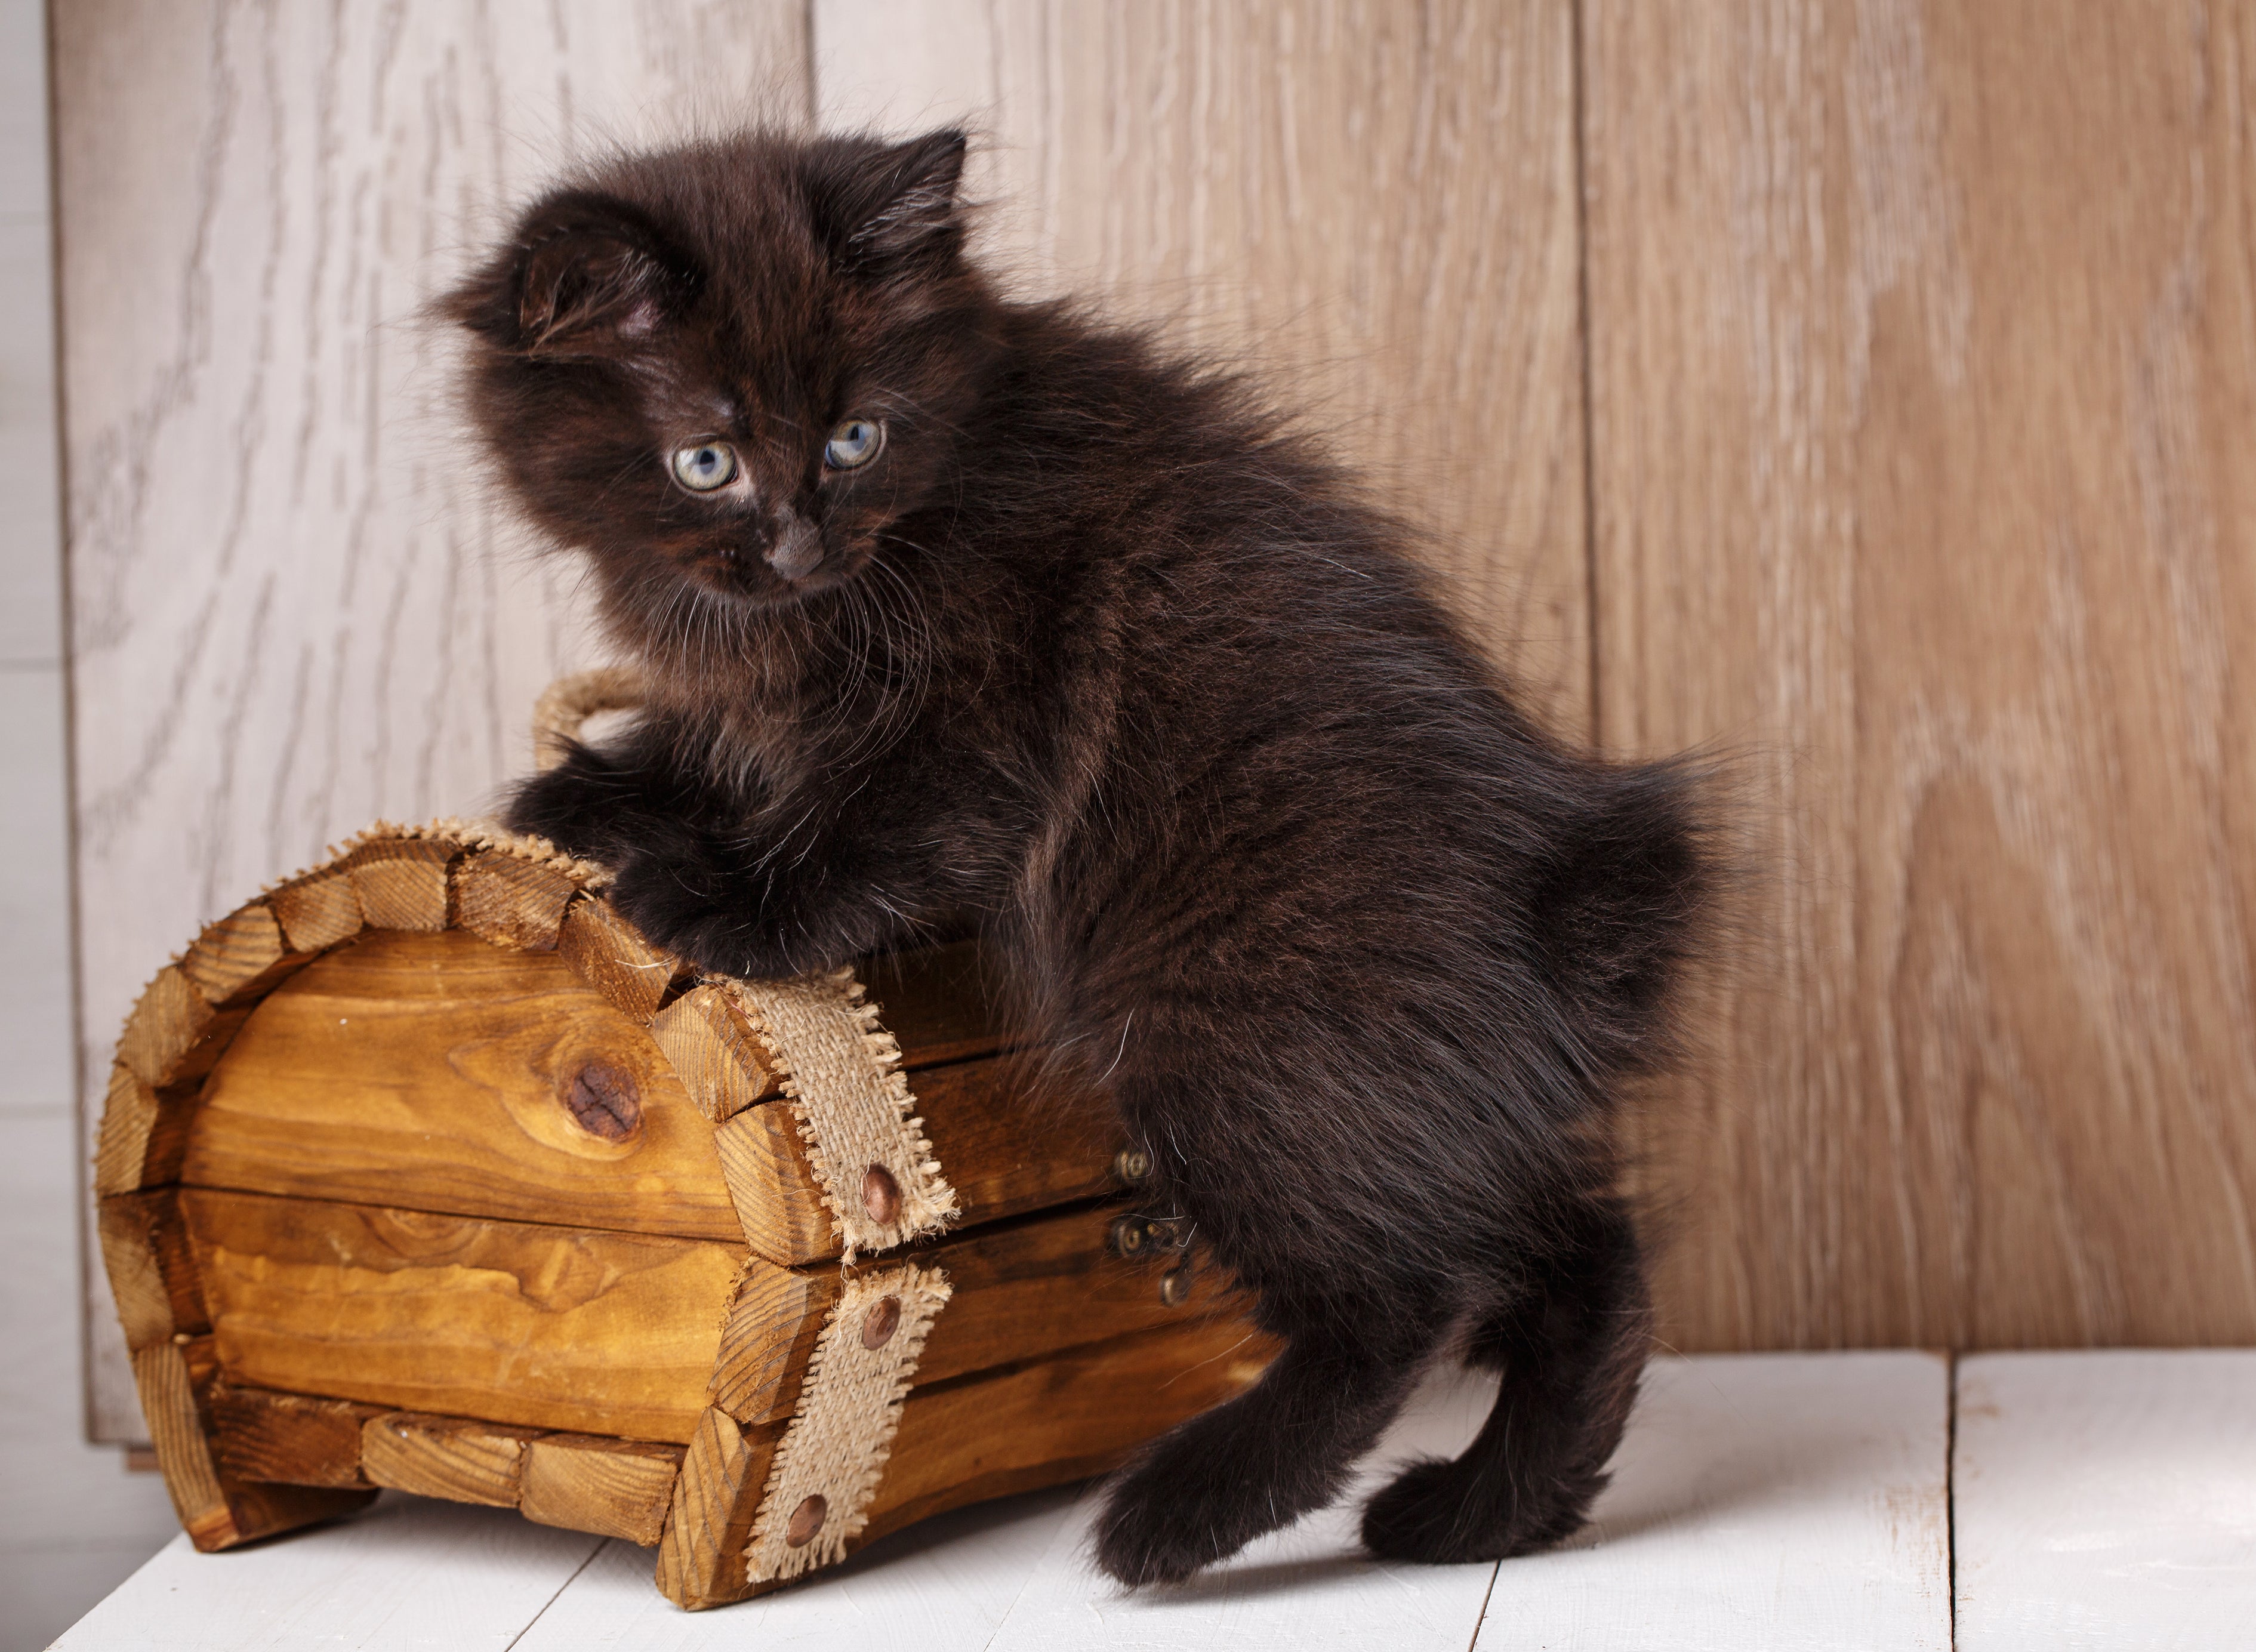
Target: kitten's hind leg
<point x="1571" y="1347"/>
<point x="1283" y="1447"/>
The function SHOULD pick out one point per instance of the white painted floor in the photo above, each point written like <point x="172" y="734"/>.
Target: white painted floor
<point x="1761" y="1500"/>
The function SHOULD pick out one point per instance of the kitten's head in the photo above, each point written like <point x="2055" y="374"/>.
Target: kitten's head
<point x="730" y="366"/>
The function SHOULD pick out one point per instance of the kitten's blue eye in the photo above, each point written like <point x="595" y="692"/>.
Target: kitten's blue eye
<point x="854" y="441"/>
<point x="704" y="466"/>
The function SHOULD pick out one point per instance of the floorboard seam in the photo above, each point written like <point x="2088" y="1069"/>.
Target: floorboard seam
<point x="600" y="1545"/>
<point x="1950" y="1500"/>
<point x="1487" y="1595"/>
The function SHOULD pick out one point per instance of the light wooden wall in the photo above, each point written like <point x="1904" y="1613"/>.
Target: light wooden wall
<point x="292" y="607"/>
<point x="1923" y="392"/>
<point x="1867" y="387"/>
<point x="1374" y="203"/>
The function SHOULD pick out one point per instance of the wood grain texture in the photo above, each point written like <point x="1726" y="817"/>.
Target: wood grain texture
<point x="1923" y="355"/>
<point x="239" y="959"/>
<point x="779" y="1202"/>
<point x="452" y="1457"/>
<point x="1023" y="1291"/>
<point x="701" y="1556"/>
<point x="405" y="883"/>
<point x="713" y="1052"/>
<point x="774" y="1321"/>
<point x="512" y="901"/>
<point x="216" y="1511"/>
<point x="288" y="1439"/>
<point x="318" y="910"/>
<point x="143" y="1134"/>
<point x="2101" y="1500"/>
<point x="173" y="1034"/>
<point x="610" y="956"/>
<point x="936" y="1002"/>
<point x="153" y="1275"/>
<point x="1374" y="204"/>
<point x="294" y="607"/>
<point x="1008" y="1144"/>
<point x="441" y="1073"/>
<point x="617" y="1488"/>
<point x="548" y="1327"/>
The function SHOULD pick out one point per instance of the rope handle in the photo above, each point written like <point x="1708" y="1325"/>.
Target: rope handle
<point x="570" y="701"/>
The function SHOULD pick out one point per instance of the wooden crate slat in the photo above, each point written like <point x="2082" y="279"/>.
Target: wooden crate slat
<point x="701" y="1556"/>
<point x="291" y="1439"/>
<point x="457" y="1458"/>
<point x="615" y="960"/>
<point x="714" y="1053"/>
<point x="216" y="1511"/>
<point x="144" y="1133"/>
<point x="780" y="1206"/>
<point x="402" y="882"/>
<point x="936" y="1002"/>
<point x="440" y="1072"/>
<point x="241" y="957"/>
<point x="173" y="1034"/>
<point x="550" y="1327"/>
<point x="509" y="900"/>
<point x="318" y="911"/>
<point x="621" y="1488"/>
<point x="152" y="1276"/>
<point x="771" y="1331"/>
<point x="1059" y="1419"/>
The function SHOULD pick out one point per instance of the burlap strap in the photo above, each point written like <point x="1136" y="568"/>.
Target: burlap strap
<point x="840" y="1073"/>
<point x="570" y="701"/>
<point x="833" y="1453"/>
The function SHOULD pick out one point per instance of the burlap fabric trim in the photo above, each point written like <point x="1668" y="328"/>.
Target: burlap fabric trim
<point x="833" y="1454"/>
<point x="840" y="1073"/>
<point x="475" y="834"/>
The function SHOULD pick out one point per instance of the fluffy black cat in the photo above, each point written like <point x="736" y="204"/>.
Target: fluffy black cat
<point x="959" y="612"/>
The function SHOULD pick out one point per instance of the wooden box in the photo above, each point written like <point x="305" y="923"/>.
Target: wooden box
<point x="424" y="1170"/>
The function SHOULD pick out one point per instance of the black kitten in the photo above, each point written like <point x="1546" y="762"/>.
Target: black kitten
<point x="962" y="612"/>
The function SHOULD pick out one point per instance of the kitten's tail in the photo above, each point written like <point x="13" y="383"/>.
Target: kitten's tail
<point x="1625" y="902"/>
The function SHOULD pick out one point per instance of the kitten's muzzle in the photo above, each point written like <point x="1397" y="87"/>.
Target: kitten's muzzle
<point x="795" y="549"/>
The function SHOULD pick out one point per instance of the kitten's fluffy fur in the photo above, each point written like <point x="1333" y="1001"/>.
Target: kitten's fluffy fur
<point x="1097" y="659"/>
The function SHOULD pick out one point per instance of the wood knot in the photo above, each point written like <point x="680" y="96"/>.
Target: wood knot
<point x="881" y="1195"/>
<point x="806" y="1521"/>
<point x="879" y="1324"/>
<point x="604" y="1101"/>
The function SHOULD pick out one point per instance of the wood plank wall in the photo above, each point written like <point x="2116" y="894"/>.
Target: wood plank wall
<point x="1923" y="392"/>
<point x="292" y="608"/>
<point x="1374" y="203"/>
<point x="1881" y="409"/>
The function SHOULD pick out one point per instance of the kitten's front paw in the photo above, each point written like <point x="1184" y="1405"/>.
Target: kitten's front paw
<point x="568" y="809"/>
<point x="665" y="902"/>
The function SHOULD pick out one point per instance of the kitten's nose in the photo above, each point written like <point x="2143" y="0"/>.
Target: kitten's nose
<point x="795" y="549"/>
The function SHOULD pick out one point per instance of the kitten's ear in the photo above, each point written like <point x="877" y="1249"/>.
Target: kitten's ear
<point x="585" y="277"/>
<point x="889" y="209"/>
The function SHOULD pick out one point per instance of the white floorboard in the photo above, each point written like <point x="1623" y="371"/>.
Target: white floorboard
<point x="1760" y="1500"/>
<point x="2106" y="1499"/>
<point x="1777" y="1500"/>
<point x="942" y="1585"/>
<point x="406" y="1573"/>
<point x="1307" y="1587"/>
